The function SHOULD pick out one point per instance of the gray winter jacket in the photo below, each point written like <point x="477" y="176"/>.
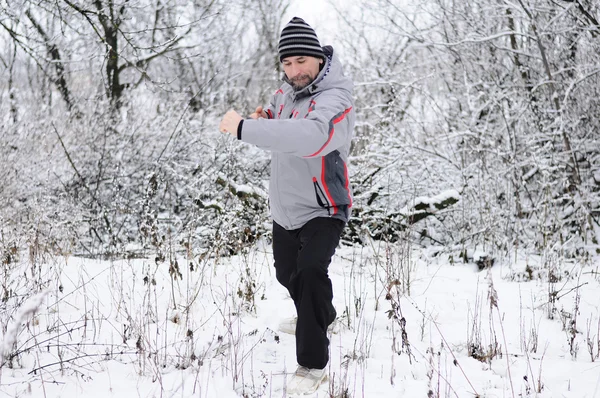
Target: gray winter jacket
<point x="309" y="134"/>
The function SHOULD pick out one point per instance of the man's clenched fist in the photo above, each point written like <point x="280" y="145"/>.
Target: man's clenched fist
<point x="230" y="123"/>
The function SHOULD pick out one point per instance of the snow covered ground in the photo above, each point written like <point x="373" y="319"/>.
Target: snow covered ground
<point x="413" y="322"/>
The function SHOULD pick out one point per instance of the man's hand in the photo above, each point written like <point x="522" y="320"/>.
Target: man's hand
<point x="259" y="113"/>
<point x="230" y="123"/>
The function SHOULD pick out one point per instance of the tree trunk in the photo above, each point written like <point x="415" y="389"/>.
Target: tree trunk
<point x="11" y="90"/>
<point x="52" y="49"/>
<point x="111" y="26"/>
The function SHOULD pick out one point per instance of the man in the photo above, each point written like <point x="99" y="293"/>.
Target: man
<point x="308" y="129"/>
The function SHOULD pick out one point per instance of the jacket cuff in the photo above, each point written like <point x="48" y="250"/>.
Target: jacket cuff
<point x="239" y="129"/>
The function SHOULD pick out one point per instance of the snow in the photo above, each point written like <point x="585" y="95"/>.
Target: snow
<point x="434" y="113"/>
<point x="244" y="188"/>
<point x="445" y="195"/>
<point x="126" y="328"/>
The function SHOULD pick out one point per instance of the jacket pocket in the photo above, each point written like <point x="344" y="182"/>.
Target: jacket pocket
<point x="320" y="195"/>
<point x="335" y="180"/>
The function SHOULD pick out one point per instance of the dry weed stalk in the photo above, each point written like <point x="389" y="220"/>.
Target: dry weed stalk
<point x="493" y="299"/>
<point x="593" y="341"/>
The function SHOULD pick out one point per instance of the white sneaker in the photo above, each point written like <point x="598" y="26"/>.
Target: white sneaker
<point x="288" y="326"/>
<point x="305" y="381"/>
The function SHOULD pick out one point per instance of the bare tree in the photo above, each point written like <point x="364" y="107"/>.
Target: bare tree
<point x="108" y="19"/>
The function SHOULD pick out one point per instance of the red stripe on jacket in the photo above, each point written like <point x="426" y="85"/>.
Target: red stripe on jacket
<point x="336" y="120"/>
<point x="311" y="108"/>
<point x="331" y="201"/>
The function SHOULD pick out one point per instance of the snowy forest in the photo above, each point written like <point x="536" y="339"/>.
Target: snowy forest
<point x="477" y="140"/>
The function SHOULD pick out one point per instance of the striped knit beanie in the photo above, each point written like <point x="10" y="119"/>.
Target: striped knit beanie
<point x="298" y="38"/>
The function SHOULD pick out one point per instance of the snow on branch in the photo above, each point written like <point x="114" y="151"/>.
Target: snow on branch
<point x="422" y="206"/>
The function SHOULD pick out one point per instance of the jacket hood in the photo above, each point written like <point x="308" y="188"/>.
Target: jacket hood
<point x="330" y="76"/>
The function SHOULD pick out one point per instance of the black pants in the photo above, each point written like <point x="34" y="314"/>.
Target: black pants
<point x="302" y="257"/>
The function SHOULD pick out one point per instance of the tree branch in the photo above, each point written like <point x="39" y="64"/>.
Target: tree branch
<point x="28" y="50"/>
<point x="593" y="21"/>
<point x="144" y="61"/>
<point x="85" y="15"/>
<point x="566" y="141"/>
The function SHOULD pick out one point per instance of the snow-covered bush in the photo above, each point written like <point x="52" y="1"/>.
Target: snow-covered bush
<point x="490" y="99"/>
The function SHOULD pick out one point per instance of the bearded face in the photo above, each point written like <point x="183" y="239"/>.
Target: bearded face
<point x="301" y="81"/>
<point x="301" y="70"/>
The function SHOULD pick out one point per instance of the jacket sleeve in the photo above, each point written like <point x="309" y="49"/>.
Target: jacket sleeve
<point x="323" y="130"/>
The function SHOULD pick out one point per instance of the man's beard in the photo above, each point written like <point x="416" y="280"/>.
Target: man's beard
<point x="300" y="82"/>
